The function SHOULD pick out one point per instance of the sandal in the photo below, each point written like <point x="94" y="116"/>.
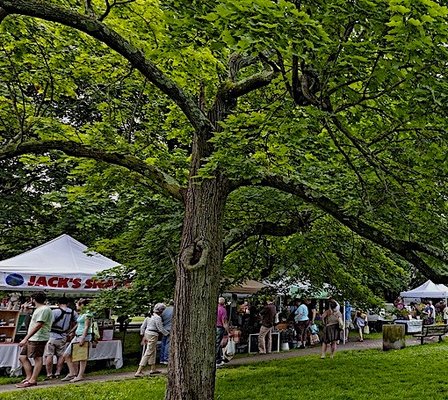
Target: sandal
<point x="26" y="384"/>
<point x="76" y="379"/>
<point x="68" y="378"/>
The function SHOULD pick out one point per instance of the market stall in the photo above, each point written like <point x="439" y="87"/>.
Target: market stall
<point x="429" y="290"/>
<point x="62" y="264"/>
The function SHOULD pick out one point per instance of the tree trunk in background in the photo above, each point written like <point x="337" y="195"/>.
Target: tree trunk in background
<point x="393" y="337"/>
<point x="192" y="356"/>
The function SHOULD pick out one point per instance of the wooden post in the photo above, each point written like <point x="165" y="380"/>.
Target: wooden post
<point x="393" y="337"/>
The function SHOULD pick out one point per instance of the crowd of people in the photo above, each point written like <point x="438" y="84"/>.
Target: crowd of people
<point x="300" y="324"/>
<point x="426" y="311"/>
<point x="53" y="333"/>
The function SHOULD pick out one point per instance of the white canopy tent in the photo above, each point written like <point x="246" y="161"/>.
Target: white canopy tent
<point x="62" y="264"/>
<point x="429" y="290"/>
<point x="247" y="288"/>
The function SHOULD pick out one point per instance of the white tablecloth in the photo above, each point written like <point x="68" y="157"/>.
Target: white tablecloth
<point x="105" y="350"/>
<point x="108" y="350"/>
<point x="9" y="356"/>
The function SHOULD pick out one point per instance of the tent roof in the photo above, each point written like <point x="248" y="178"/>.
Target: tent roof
<point x="428" y="290"/>
<point x="248" y="287"/>
<point x="63" y="255"/>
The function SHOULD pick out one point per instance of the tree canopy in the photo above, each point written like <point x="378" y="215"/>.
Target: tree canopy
<point x="279" y="138"/>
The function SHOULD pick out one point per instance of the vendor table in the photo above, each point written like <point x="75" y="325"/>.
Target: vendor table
<point x="411" y="325"/>
<point x="105" y="350"/>
<point x="9" y="356"/>
<point x="108" y="350"/>
<point x="253" y="342"/>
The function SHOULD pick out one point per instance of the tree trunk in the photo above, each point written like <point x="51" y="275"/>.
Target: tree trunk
<point x="192" y="358"/>
<point x="393" y="337"/>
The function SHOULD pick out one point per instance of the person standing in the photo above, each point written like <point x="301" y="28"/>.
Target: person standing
<point x="267" y="323"/>
<point x="360" y="323"/>
<point x="302" y="322"/>
<point x="332" y="319"/>
<point x="167" y="318"/>
<point x="83" y="336"/>
<point x="222" y="326"/>
<point x="430" y="311"/>
<point x="445" y="314"/>
<point x="33" y="344"/>
<point x="64" y="319"/>
<point x="348" y="319"/>
<point x="154" y="327"/>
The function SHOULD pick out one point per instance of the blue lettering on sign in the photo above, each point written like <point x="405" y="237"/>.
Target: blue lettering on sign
<point x="14" y="280"/>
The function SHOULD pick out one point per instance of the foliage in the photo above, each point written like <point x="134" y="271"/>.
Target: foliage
<point x="320" y="127"/>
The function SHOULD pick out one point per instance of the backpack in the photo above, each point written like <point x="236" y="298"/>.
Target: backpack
<point x="60" y="329"/>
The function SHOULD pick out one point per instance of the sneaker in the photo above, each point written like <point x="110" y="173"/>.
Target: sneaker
<point x="139" y="375"/>
<point x="220" y="364"/>
<point x="164" y="362"/>
<point x="302" y="346"/>
<point x="154" y="372"/>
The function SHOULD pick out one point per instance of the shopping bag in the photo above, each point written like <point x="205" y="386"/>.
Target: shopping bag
<point x="314" y="339"/>
<point x="366" y="329"/>
<point x="80" y="353"/>
<point x="230" y="349"/>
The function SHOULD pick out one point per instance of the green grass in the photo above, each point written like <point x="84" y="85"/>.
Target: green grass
<point x="413" y="373"/>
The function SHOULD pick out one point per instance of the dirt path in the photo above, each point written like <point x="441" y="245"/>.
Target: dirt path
<point x="239" y="360"/>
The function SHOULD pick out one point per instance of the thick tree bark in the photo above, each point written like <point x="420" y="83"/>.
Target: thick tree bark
<point x="192" y="358"/>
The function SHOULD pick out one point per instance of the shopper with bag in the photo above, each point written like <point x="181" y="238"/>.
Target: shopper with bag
<point x="222" y="327"/>
<point x="153" y="328"/>
<point x="77" y="352"/>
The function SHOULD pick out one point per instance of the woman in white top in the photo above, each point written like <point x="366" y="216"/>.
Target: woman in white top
<point x="153" y="326"/>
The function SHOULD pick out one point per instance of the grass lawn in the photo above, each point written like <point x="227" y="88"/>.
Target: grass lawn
<point x="413" y="373"/>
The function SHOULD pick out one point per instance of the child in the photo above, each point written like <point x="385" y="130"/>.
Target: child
<point x="360" y="323"/>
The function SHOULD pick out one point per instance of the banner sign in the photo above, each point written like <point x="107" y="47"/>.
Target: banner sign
<point x="16" y="281"/>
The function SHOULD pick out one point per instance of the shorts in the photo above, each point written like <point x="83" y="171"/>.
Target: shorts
<point x="33" y="349"/>
<point x="55" y="347"/>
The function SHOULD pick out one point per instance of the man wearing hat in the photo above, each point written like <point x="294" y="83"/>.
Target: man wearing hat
<point x="153" y="328"/>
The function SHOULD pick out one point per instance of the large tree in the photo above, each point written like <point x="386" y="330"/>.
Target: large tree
<point x="329" y="107"/>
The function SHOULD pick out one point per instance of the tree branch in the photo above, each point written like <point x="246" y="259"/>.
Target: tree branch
<point x="98" y="30"/>
<point x="406" y="249"/>
<point x="3" y="14"/>
<point x="165" y="182"/>
<point x="299" y="224"/>
<point x="251" y="83"/>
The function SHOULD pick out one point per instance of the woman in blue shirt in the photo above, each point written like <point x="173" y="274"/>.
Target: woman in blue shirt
<point x="83" y="335"/>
